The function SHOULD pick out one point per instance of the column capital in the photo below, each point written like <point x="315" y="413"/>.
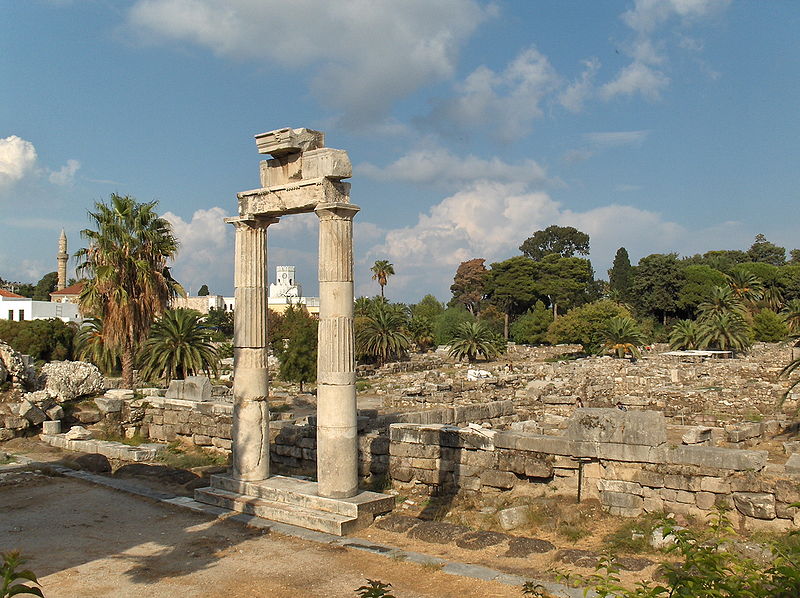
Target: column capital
<point x="336" y="211"/>
<point x="251" y="221"/>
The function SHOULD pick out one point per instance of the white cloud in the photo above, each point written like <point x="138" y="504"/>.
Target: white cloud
<point x="365" y="54"/>
<point x="66" y="175"/>
<point x="17" y="159"/>
<point x="205" y="255"/>
<point x="504" y="103"/>
<point x="577" y="92"/>
<point x="647" y="15"/>
<point x="439" y="166"/>
<point x="637" y="77"/>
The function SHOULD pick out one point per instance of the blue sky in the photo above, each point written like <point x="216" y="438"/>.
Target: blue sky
<point x="658" y="125"/>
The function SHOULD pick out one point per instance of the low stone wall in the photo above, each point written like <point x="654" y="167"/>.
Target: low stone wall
<point x="622" y="459"/>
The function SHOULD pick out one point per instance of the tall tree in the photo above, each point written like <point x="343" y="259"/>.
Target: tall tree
<point x="764" y="251"/>
<point x="565" y="241"/>
<point x="297" y="353"/>
<point x="203" y="292"/>
<point x="620" y="276"/>
<point x="45" y="286"/>
<point x="565" y="281"/>
<point x="128" y="282"/>
<point x="510" y="286"/>
<point x="469" y="284"/>
<point x="381" y="271"/>
<point x="656" y="284"/>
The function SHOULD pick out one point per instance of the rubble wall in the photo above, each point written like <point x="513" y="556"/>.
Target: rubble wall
<point x="628" y="475"/>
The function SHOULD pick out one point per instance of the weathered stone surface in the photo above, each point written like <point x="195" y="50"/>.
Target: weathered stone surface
<point x="621" y="499"/>
<point x="94" y="462"/>
<point x="793" y="463"/>
<point x="697" y="435"/>
<point x="51" y="427"/>
<point x="109" y="405"/>
<point x="743" y="431"/>
<point x="78" y="433"/>
<point x="514" y="517"/>
<point x="437" y="532"/>
<point x="193" y="388"/>
<point x="722" y="458"/>
<point x="289" y="141"/>
<point x="396" y="523"/>
<point x="632" y="563"/>
<point x="31" y="412"/>
<point x="120" y="393"/>
<point x="55" y="413"/>
<point x="67" y="380"/>
<point x="647" y="428"/>
<point x="17" y="367"/>
<point x="498" y="479"/>
<point x="580" y="558"/>
<point x="480" y="539"/>
<point x="759" y="505"/>
<point x="519" y="547"/>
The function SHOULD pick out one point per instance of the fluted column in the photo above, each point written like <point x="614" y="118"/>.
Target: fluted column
<point x="250" y="373"/>
<point x="337" y="442"/>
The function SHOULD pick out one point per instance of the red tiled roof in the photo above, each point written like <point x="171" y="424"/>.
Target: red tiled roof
<point x="10" y="295"/>
<point x="74" y="289"/>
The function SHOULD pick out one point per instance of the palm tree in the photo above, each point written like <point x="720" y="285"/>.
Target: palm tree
<point x="791" y="313"/>
<point x="421" y="330"/>
<point x="90" y="346"/>
<point x="725" y="331"/>
<point x="623" y="336"/>
<point x="179" y="346"/>
<point x="474" y="339"/>
<point x="128" y="282"/>
<point x="685" y="334"/>
<point x="722" y="300"/>
<point x="381" y="335"/>
<point x="747" y="287"/>
<point x="381" y="272"/>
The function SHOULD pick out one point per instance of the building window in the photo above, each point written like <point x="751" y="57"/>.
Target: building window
<point x="21" y="315"/>
<point x="10" y="314"/>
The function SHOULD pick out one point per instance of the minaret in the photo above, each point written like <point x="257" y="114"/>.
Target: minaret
<point x="63" y="256"/>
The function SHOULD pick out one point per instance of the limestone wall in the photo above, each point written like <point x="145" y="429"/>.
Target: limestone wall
<point x="623" y="461"/>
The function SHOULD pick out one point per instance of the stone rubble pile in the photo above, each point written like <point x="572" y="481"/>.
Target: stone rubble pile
<point x="67" y="380"/>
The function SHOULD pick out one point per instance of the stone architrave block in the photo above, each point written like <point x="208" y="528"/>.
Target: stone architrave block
<point x="645" y="428"/>
<point x="697" y="435"/>
<point x="759" y="505"/>
<point x="326" y="162"/>
<point x="109" y="405"/>
<point x="289" y="141"/>
<point x="193" y="388"/>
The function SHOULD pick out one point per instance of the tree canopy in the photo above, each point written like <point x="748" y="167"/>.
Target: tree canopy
<point x="564" y="241"/>
<point x="469" y="284"/>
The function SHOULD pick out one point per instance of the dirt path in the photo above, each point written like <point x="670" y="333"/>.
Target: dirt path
<point x="88" y="541"/>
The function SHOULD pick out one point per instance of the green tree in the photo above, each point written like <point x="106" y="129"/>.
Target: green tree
<point x="510" y="286"/>
<point x="726" y="331"/>
<point x="469" y="284"/>
<point x="685" y="334"/>
<point x="45" y="286"/>
<point x="791" y="315"/>
<point x="697" y="282"/>
<point x="429" y="307"/>
<point x="586" y="325"/>
<point x="565" y="281"/>
<point x="381" y="271"/>
<point x="564" y="241"/>
<point x="90" y="346"/>
<point x="764" y="251"/>
<point x="128" y="282"/>
<point x="43" y="340"/>
<point x="656" y="284"/>
<point x="179" y="345"/>
<point x="380" y="335"/>
<point x="474" y="340"/>
<point x="220" y="321"/>
<point x="620" y="276"/>
<point x="531" y="327"/>
<point x="769" y="327"/>
<point x="721" y="300"/>
<point x="203" y="292"/>
<point x="745" y="285"/>
<point x="420" y="329"/>
<point x="794" y="256"/>
<point x="446" y="324"/>
<point x="297" y="353"/>
<point x="622" y="336"/>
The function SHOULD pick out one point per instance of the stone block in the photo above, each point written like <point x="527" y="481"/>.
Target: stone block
<point x="109" y="405"/>
<point x="288" y="141"/>
<point x="685" y="497"/>
<point x="621" y="499"/>
<point x="619" y="486"/>
<point x="759" y="505"/>
<point x="793" y="463"/>
<point x="787" y="491"/>
<point x="469" y="483"/>
<point x="697" y="435"/>
<point x="538" y="469"/>
<point x="647" y="428"/>
<point x="624" y="511"/>
<point x="743" y="431"/>
<point x="404" y="449"/>
<point x="201" y="440"/>
<point x="719" y="458"/>
<point x="481" y="459"/>
<point x="650" y="478"/>
<point x="120" y="393"/>
<point x="682" y="482"/>
<point x="51" y="427"/>
<point x="705" y="500"/>
<point x="30" y="412"/>
<point x="498" y="479"/>
<point x="513" y="517"/>
<point x="653" y="504"/>
<point x="56" y="412"/>
<point x="193" y="388"/>
<point x="326" y="162"/>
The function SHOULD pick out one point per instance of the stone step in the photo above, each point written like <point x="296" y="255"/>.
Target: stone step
<point x="323" y="521"/>
<point x="303" y="493"/>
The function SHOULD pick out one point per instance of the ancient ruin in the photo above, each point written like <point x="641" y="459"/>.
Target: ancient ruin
<point x="302" y="176"/>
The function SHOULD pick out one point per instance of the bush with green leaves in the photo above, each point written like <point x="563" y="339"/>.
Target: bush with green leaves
<point x="375" y="589"/>
<point x="447" y="322"/>
<point x="769" y="327"/>
<point x="531" y="328"/>
<point x="12" y="576"/>
<point x="297" y="351"/>
<point x="586" y="325"/>
<point x="622" y="336"/>
<point x="45" y="340"/>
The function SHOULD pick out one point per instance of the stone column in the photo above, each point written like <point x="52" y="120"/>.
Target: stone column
<point x="251" y="376"/>
<point x="337" y="442"/>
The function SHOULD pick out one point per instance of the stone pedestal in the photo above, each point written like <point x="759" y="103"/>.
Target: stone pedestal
<point x="251" y="376"/>
<point x="337" y="442"/>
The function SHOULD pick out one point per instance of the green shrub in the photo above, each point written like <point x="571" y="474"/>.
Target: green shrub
<point x="45" y="340"/>
<point x="769" y="327"/>
<point x="531" y="328"/>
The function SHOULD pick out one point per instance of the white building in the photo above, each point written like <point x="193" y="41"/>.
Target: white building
<point x="19" y="308"/>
